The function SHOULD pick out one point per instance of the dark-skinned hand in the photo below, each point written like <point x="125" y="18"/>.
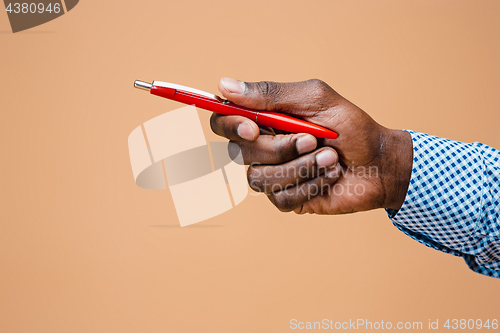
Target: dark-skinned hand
<point x="368" y="166"/>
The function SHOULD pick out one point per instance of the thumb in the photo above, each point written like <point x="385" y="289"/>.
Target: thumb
<point x="300" y="98"/>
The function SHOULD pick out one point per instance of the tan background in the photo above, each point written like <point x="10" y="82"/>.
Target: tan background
<point x="83" y="249"/>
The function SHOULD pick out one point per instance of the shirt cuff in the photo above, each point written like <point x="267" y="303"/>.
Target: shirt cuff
<point x="443" y="204"/>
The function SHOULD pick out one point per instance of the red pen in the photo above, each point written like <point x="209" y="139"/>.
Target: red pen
<point x="216" y="104"/>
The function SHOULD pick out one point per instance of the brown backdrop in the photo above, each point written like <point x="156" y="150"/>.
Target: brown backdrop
<point x="83" y="249"/>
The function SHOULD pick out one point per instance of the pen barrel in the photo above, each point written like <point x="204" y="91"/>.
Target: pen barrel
<point x="263" y="118"/>
<point x="294" y="125"/>
<point x="227" y="109"/>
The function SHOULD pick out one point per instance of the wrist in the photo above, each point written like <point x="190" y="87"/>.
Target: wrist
<point x="396" y="162"/>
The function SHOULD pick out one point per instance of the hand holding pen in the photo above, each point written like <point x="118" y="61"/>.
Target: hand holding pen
<point x="368" y="166"/>
<point x="365" y="166"/>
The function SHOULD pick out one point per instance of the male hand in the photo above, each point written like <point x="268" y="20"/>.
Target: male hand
<point x="368" y="166"/>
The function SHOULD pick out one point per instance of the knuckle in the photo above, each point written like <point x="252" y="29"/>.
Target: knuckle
<point x="320" y="88"/>
<point x="213" y="122"/>
<point x="268" y="88"/>
<point x="283" y="201"/>
<point x="229" y="126"/>
<point x="318" y="83"/>
<point x="285" y="148"/>
<point x="232" y="126"/>
<point x="253" y="178"/>
<point x="321" y="94"/>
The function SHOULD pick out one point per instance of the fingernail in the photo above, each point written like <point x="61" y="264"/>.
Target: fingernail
<point x="326" y="158"/>
<point x="245" y="131"/>
<point x="233" y="86"/>
<point x="305" y="144"/>
<point x="334" y="172"/>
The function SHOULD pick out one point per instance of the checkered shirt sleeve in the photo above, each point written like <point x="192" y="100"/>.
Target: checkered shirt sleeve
<point x="453" y="200"/>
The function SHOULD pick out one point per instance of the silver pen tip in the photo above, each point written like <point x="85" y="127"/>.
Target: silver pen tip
<point x="142" y="85"/>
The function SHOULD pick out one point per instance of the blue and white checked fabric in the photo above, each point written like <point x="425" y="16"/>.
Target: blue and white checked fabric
<point x="453" y="200"/>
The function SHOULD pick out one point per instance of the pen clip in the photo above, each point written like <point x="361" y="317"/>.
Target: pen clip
<point x="189" y="90"/>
